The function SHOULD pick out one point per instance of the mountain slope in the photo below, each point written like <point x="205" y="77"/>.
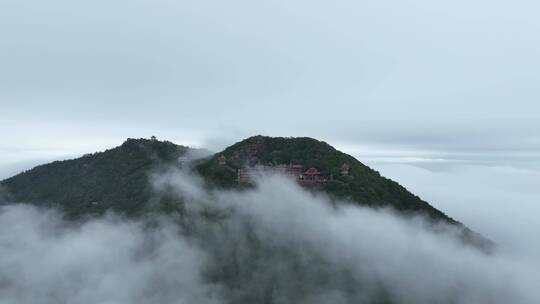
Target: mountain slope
<point x="362" y="184"/>
<point x="116" y="179"/>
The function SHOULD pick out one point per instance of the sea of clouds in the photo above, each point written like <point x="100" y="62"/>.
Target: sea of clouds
<point x="276" y="243"/>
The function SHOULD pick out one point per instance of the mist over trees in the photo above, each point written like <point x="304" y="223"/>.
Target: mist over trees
<point x="182" y="233"/>
<point x="275" y="243"/>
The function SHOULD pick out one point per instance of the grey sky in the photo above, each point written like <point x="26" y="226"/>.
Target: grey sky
<point x="448" y="86"/>
<point x="418" y="79"/>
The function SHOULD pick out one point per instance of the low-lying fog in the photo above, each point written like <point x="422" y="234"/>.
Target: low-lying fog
<point x="280" y="244"/>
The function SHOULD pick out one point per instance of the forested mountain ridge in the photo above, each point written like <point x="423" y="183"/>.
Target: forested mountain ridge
<point x="361" y="184"/>
<point x="118" y="179"/>
<point x="115" y="179"/>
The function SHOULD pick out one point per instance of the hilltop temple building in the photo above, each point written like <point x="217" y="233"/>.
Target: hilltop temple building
<point x="311" y="176"/>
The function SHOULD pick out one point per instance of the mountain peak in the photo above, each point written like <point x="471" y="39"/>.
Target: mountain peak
<point x="148" y="142"/>
<point x="117" y="178"/>
<point x="359" y="184"/>
<point x="114" y="179"/>
<point x="338" y="174"/>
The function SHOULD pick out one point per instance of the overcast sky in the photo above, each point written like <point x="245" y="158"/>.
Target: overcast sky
<point x="415" y="81"/>
<point x="442" y="96"/>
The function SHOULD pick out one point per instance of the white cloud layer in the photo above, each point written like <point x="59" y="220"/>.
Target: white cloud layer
<point x="278" y="242"/>
<point x="110" y="261"/>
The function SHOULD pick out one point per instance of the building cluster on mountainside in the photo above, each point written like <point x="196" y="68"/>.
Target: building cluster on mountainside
<point x="306" y="177"/>
<point x="296" y="172"/>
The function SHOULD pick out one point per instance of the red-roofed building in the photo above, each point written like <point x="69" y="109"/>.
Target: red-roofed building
<point x="311" y="177"/>
<point x="245" y="175"/>
<point x="295" y="170"/>
<point x="312" y="174"/>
